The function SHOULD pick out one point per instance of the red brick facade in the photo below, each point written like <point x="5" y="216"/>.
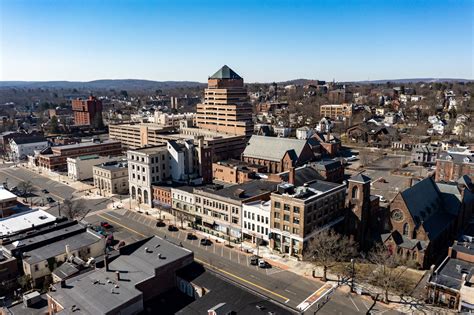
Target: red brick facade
<point x="85" y="111"/>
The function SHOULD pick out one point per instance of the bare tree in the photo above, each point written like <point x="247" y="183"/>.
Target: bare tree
<point x="388" y="271"/>
<point x="74" y="209"/>
<point x="26" y="188"/>
<point x="328" y="249"/>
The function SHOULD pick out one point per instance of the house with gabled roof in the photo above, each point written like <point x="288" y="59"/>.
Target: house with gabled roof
<point x="426" y="217"/>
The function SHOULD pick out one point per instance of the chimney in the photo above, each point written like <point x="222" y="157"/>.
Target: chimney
<point x="291" y="175"/>
<point x="63" y="283"/>
<point x="117" y="275"/>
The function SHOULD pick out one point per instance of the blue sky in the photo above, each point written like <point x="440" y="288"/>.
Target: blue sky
<point x="261" y="40"/>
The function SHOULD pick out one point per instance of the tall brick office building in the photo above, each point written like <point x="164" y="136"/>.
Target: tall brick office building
<point x="87" y="112"/>
<point x="226" y="108"/>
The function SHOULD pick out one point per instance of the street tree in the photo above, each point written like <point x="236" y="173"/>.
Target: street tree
<point x="329" y="248"/>
<point x="26" y="188"/>
<point x="388" y="271"/>
<point x="74" y="209"/>
<point x="54" y="124"/>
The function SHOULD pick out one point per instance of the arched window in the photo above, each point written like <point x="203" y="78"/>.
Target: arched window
<point x="405" y="229"/>
<point x="145" y="196"/>
<point x="134" y="193"/>
<point x="355" y="192"/>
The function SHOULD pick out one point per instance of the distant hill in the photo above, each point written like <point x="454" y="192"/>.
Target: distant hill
<point x="414" y="80"/>
<point x="126" y="84"/>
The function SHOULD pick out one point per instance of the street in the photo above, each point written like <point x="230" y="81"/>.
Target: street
<point x="12" y="176"/>
<point x="279" y="285"/>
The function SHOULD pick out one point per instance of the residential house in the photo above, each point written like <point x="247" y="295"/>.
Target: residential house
<point x="21" y="147"/>
<point x="453" y="164"/>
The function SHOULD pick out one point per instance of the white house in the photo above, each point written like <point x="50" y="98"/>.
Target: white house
<point x="304" y="133"/>
<point x="282" y="132"/>
<point x="20" y="148"/>
<point x="325" y="125"/>
<point x="256" y="221"/>
<point x="439" y="127"/>
<point x="81" y="167"/>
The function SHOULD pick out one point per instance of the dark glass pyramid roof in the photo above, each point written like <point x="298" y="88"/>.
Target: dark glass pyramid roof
<point x="225" y="73"/>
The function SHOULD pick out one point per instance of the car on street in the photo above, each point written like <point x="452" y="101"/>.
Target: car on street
<point x="206" y="242"/>
<point x="50" y="200"/>
<point x="105" y="225"/>
<point x="191" y="236"/>
<point x="160" y="223"/>
<point x="254" y="260"/>
<point x="262" y="263"/>
<point x="45" y="191"/>
<point x="172" y="228"/>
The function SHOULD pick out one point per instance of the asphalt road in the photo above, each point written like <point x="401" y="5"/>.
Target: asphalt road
<point x="56" y="190"/>
<point x="277" y="284"/>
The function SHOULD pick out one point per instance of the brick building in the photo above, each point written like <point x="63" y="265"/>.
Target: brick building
<point x="450" y="166"/>
<point x="339" y="96"/>
<point x="235" y="171"/>
<point x="330" y="145"/>
<point x="299" y="212"/>
<point x="226" y="108"/>
<point x="336" y="111"/>
<point x="56" y="158"/>
<point x="451" y="284"/>
<point x="421" y="228"/>
<point x="87" y="112"/>
<point x="278" y="154"/>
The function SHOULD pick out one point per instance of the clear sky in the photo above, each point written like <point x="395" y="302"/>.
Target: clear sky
<point x="263" y="41"/>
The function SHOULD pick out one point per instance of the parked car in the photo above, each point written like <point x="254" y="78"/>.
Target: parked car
<point x="262" y="263"/>
<point x="206" y="242"/>
<point x="105" y="225"/>
<point x="254" y="260"/>
<point x="191" y="236"/>
<point x="45" y="191"/>
<point x="160" y="223"/>
<point x="50" y="200"/>
<point x="172" y="228"/>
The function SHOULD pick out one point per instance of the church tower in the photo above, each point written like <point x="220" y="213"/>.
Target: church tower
<point x="358" y="204"/>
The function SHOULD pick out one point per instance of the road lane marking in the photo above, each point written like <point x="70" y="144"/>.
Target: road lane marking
<point x="34" y="185"/>
<point x="113" y="215"/>
<point x="125" y="227"/>
<point x="243" y="280"/>
<point x="350" y="297"/>
<point x="314" y="297"/>
<point x="286" y="290"/>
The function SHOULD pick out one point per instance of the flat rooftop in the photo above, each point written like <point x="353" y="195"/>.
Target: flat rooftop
<point x="450" y="273"/>
<point x="98" y="291"/>
<point x="242" y="191"/>
<point x="84" y="144"/>
<point x="54" y="249"/>
<point x="5" y="194"/>
<point x="22" y="221"/>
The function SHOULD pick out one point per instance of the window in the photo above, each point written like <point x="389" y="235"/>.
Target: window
<point x="286" y="218"/>
<point x="355" y="192"/>
<point x="36" y="268"/>
<point x="277" y="205"/>
<point x="276" y="215"/>
<point x="296" y="220"/>
<point x="286" y="207"/>
<point x="405" y="229"/>
<point x="266" y="220"/>
<point x="276" y="225"/>
<point x="258" y="228"/>
<point x="245" y="224"/>
<point x="258" y="217"/>
<point x="296" y="209"/>
<point x="286" y="228"/>
<point x="296" y="231"/>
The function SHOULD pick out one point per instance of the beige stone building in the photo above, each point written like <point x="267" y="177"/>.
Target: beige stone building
<point x="111" y="178"/>
<point x="336" y="111"/>
<point x="226" y="108"/>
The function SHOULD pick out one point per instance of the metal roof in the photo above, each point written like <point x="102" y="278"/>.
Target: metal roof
<point x="225" y="73"/>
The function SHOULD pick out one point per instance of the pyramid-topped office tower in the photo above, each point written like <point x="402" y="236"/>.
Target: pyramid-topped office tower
<point x="226" y="108"/>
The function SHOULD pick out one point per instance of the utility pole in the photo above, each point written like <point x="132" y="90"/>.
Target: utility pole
<point x="353" y="274"/>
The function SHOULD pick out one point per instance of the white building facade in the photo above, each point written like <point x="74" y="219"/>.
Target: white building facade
<point x="256" y="221"/>
<point x="146" y="166"/>
<point x="81" y="167"/>
<point x="21" y="148"/>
